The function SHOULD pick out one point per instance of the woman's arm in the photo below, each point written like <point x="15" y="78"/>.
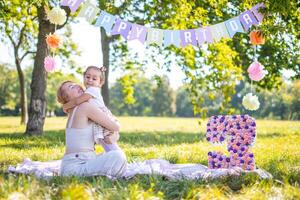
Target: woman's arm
<point x="101" y="118"/>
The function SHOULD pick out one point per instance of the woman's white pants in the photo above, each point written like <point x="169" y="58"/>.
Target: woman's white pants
<point x="111" y="164"/>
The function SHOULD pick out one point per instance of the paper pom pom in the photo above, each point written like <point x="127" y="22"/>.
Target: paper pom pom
<point x="256" y="71"/>
<point x="49" y="64"/>
<point x="53" y="41"/>
<point x="257" y="37"/>
<point x="250" y="102"/>
<point x="57" y="16"/>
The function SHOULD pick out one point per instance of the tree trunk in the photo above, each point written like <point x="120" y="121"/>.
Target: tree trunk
<point x="105" y="52"/>
<point x="23" y="100"/>
<point x="291" y="115"/>
<point x="37" y="109"/>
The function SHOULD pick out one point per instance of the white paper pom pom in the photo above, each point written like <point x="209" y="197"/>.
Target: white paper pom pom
<point x="57" y="16"/>
<point x="250" y="102"/>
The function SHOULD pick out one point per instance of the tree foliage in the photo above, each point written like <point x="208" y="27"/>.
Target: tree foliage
<point x="150" y="99"/>
<point x="218" y="67"/>
<point x="163" y="98"/>
<point x="7" y="85"/>
<point x="184" y="107"/>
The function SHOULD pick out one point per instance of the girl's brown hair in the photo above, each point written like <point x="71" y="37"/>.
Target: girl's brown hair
<point x="61" y="94"/>
<point x="99" y="69"/>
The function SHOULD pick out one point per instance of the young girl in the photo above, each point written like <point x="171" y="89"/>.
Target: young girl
<point x="94" y="78"/>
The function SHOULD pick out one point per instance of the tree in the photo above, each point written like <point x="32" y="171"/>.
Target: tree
<point x="143" y="96"/>
<point x="295" y="102"/>
<point x="37" y="109"/>
<point x="7" y="86"/>
<point x="184" y="107"/>
<point x="162" y="104"/>
<point x="19" y="29"/>
<point x="284" y="102"/>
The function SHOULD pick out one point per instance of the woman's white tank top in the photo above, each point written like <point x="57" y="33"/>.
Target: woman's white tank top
<point x="79" y="139"/>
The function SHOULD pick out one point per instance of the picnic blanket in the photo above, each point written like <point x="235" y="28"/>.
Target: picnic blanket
<point x="161" y="167"/>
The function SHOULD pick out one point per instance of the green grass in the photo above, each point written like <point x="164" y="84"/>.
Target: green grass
<point x="277" y="150"/>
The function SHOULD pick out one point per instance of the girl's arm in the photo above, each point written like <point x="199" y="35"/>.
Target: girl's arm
<point x="75" y="102"/>
<point x="101" y="118"/>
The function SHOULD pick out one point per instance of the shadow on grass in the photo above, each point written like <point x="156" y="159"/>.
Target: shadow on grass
<point x="144" y="139"/>
<point x="138" y="139"/>
<point x="272" y="135"/>
<point x="21" y="141"/>
<point x="287" y="171"/>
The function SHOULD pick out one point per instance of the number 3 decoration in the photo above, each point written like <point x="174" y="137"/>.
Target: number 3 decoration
<point x="239" y="131"/>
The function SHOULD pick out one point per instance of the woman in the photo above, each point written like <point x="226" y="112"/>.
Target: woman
<point x="80" y="158"/>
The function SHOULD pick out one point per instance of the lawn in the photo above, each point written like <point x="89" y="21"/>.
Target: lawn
<point x="179" y="140"/>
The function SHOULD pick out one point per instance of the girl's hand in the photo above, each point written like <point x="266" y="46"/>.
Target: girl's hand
<point x="65" y="109"/>
<point x="111" y="138"/>
<point x="107" y="140"/>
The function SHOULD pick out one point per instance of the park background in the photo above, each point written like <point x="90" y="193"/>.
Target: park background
<point x="160" y="97"/>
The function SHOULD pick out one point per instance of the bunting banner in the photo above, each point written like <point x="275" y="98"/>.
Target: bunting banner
<point x="106" y="21"/>
<point x="72" y="4"/>
<point x="113" y="25"/>
<point x="234" y="25"/>
<point x="204" y="35"/>
<point x="219" y="31"/>
<point x="171" y="37"/>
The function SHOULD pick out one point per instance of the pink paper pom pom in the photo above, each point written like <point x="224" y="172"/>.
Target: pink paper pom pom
<point x="49" y="64"/>
<point x="256" y="71"/>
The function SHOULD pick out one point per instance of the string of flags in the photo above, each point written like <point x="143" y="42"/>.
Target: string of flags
<point x="114" y="25"/>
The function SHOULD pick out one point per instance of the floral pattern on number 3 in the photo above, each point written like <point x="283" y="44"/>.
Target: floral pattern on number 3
<point x="239" y="132"/>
